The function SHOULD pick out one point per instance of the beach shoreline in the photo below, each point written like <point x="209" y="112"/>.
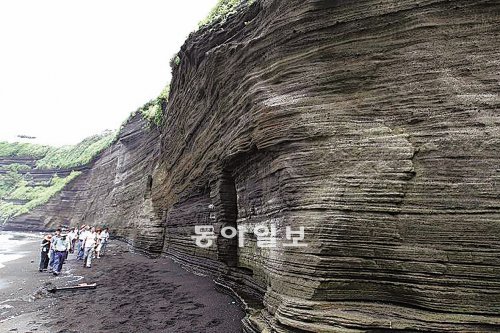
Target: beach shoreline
<point x="19" y="281"/>
<point x="19" y="259"/>
<point x="134" y="293"/>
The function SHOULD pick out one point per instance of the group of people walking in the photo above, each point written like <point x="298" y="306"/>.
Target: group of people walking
<point x="87" y="242"/>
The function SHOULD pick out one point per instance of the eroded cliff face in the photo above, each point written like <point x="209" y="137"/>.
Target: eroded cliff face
<point x="114" y="191"/>
<point x="372" y="124"/>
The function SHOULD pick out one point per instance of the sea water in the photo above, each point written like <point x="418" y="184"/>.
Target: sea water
<point x="11" y="246"/>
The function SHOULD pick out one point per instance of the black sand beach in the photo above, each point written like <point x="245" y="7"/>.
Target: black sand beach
<point x="134" y="294"/>
<point x="19" y="278"/>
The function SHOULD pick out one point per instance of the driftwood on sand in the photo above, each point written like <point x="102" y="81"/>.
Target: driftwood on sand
<point x="81" y="286"/>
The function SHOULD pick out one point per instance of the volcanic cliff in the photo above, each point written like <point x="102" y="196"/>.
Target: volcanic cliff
<point x="373" y="124"/>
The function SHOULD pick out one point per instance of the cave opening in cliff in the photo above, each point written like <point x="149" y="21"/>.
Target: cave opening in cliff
<point x="149" y="186"/>
<point x="228" y="247"/>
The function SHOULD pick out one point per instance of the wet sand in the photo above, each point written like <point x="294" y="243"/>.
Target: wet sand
<point x="19" y="279"/>
<point x="134" y="294"/>
<point x="19" y="265"/>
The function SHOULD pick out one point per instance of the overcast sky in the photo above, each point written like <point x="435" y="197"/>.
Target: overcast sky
<point x="70" y="69"/>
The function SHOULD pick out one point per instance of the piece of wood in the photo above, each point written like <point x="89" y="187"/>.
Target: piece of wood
<point x="81" y="286"/>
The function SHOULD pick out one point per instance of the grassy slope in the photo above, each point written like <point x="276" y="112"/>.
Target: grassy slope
<point x="59" y="157"/>
<point x="34" y="195"/>
<point x="18" y="149"/>
<point x="77" y="155"/>
<point x="16" y="182"/>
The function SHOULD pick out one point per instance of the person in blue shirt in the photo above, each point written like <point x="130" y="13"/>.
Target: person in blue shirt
<point x="59" y="246"/>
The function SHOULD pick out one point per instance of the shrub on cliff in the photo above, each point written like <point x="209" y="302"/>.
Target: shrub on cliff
<point x="16" y="167"/>
<point x="77" y="155"/>
<point x="9" y="182"/>
<point x="35" y="196"/>
<point x="152" y="111"/>
<point x="57" y="157"/>
<point x="221" y="11"/>
<point x="175" y="61"/>
<point x="20" y="149"/>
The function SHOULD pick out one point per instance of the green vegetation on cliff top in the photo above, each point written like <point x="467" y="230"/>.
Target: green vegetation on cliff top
<point x="152" y="111"/>
<point x="19" y="193"/>
<point x="19" y="149"/>
<point x="221" y="11"/>
<point x="77" y="155"/>
<point x="16" y="167"/>
<point x="16" y="187"/>
<point x="59" y="157"/>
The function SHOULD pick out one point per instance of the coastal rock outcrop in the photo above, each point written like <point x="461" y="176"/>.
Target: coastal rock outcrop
<point x="112" y="192"/>
<point x="372" y="124"/>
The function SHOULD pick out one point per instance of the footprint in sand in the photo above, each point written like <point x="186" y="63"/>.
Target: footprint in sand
<point x="214" y="323"/>
<point x="169" y="323"/>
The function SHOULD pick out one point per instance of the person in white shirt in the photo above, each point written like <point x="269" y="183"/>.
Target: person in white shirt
<point x="71" y="238"/>
<point x="80" y="250"/>
<point x="103" y="240"/>
<point x="89" y="245"/>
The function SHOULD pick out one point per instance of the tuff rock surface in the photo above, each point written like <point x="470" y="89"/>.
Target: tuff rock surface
<point x="372" y="124"/>
<point x="112" y="191"/>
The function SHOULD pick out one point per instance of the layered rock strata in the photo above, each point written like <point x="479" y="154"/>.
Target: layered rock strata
<point x="372" y="124"/>
<point x="114" y="191"/>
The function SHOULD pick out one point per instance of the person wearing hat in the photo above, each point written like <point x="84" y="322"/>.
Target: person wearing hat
<point x="44" y="254"/>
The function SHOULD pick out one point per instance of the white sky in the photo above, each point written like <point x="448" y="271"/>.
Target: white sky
<point x="73" y="68"/>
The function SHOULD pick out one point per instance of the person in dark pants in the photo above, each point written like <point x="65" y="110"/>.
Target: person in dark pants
<point x="81" y="236"/>
<point x="60" y="247"/>
<point x="44" y="254"/>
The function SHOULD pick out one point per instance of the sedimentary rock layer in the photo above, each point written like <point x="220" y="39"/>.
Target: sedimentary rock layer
<point x="113" y="192"/>
<point x="372" y="124"/>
